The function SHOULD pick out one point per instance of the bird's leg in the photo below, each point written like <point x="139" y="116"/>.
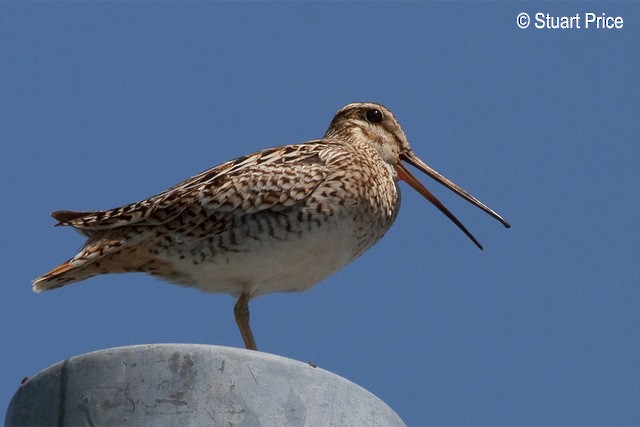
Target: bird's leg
<point x="241" y="311"/>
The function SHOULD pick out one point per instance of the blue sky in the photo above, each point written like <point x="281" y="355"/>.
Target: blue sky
<point x="104" y="104"/>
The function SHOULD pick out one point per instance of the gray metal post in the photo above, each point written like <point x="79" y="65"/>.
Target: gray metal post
<point x="198" y="385"/>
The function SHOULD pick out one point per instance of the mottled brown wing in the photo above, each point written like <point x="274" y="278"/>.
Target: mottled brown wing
<point x="272" y="179"/>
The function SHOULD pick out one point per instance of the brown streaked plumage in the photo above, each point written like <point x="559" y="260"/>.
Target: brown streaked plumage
<point x="281" y="219"/>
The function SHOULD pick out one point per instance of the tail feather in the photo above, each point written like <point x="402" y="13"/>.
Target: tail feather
<point x="84" y="265"/>
<point x="66" y="217"/>
<point x="109" y="249"/>
<point x="66" y="273"/>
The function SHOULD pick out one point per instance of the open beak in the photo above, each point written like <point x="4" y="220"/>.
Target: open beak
<point x="405" y="175"/>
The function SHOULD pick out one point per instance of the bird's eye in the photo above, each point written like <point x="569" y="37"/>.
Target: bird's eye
<point x="373" y="115"/>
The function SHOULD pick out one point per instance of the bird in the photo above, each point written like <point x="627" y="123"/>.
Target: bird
<point x="278" y="220"/>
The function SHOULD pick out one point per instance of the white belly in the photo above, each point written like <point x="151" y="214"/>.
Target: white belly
<point x="272" y="265"/>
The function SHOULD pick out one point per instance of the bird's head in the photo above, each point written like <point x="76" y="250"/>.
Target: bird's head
<point x="376" y="125"/>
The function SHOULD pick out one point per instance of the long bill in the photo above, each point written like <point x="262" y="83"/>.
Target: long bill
<point x="405" y="175"/>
